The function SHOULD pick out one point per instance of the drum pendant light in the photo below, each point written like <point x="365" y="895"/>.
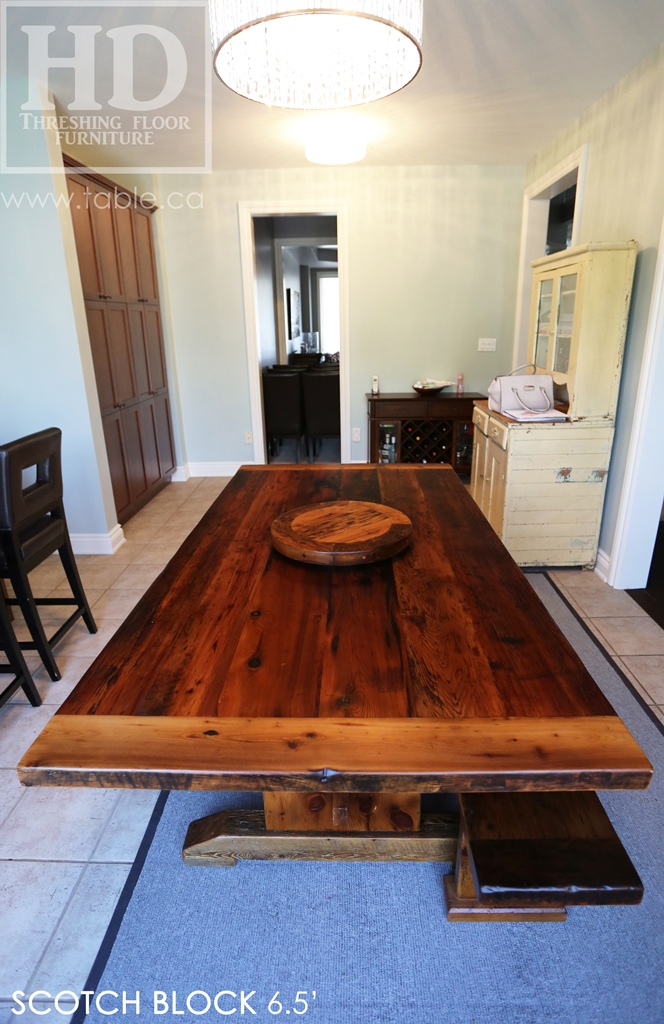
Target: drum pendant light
<point x="316" y="54"/>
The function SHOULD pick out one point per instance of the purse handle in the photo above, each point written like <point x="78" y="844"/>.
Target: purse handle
<point x="515" y="392"/>
<point x="517" y="368"/>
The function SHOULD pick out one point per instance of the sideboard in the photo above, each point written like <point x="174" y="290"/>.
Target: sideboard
<point x="413" y="428"/>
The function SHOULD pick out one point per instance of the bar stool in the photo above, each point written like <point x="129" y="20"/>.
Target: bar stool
<point x="32" y="527"/>
<point x="282" y="407"/>
<point x="17" y="666"/>
<point x="322" y="415"/>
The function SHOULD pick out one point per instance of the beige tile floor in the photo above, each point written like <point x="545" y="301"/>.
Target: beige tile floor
<point x="633" y="640"/>
<point x="65" y="854"/>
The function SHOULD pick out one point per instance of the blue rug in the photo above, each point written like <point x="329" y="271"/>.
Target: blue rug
<point x="371" y="939"/>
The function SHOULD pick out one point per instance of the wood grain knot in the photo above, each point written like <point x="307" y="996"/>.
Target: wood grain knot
<point x="255" y="615"/>
<point x="316" y="803"/>
<point x="210" y="732"/>
<point x="254" y="663"/>
<point x="367" y="805"/>
<point x="401" y="820"/>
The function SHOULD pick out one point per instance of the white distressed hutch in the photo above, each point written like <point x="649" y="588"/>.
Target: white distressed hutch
<point x="542" y="485"/>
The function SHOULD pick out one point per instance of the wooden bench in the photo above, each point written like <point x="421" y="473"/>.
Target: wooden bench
<point x="526" y="856"/>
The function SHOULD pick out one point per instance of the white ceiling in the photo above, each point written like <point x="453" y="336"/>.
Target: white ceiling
<point x="499" y="79"/>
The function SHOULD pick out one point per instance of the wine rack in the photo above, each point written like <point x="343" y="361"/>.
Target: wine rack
<point x="421" y="430"/>
<point x="426" y="441"/>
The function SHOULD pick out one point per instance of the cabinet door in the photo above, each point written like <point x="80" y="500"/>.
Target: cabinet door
<point x="124" y="221"/>
<point x="122" y="365"/>
<point x="146" y="265"/>
<point x="117" y="462"/>
<point x="495" y="485"/>
<point x="477" y="472"/>
<point x="148" y="431"/>
<point x="154" y="347"/>
<point x="139" y="350"/>
<point x="542" y="350"/>
<point x="81" y="215"/>
<point x="131" y="430"/>
<point x="106" y="241"/>
<point x="101" y="355"/>
<point x="162" y="415"/>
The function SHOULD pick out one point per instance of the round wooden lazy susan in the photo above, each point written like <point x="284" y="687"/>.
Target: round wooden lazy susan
<point x="341" y="533"/>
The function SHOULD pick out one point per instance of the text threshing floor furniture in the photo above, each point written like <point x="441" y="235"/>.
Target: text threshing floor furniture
<point x="346" y="693"/>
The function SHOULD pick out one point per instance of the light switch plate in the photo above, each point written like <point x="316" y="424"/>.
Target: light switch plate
<point x="248" y="437"/>
<point x="486" y="345"/>
<point x="357" y="433"/>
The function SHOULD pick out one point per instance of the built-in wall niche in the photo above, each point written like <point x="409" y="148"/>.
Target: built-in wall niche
<point x="561" y="220"/>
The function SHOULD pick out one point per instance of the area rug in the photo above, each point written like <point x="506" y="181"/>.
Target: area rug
<point x="371" y="940"/>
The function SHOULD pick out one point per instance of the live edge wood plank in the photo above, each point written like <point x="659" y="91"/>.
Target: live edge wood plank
<point x="338" y="754"/>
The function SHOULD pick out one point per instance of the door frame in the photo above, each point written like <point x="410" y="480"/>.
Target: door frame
<point x="534" y="223"/>
<point x="275" y="208"/>
<point x="642" y="494"/>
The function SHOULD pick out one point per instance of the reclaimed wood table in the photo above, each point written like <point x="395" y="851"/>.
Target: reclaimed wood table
<point x="345" y="693"/>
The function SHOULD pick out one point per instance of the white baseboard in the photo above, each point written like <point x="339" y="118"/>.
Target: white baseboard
<point x="603" y="565"/>
<point x="213" y="468"/>
<point x="181" y="474"/>
<point x="97" y="543"/>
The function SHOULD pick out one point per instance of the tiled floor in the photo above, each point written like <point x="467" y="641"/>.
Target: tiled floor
<point x="65" y="854"/>
<point x="633" y="640"/>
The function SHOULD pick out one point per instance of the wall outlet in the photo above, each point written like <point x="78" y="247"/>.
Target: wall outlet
<point x="357" y="433"/>
<point x="486" y="345"/>
<point x="248" y="437"/>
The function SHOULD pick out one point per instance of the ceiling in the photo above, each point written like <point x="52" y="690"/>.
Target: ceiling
<point x="499" y="79"/>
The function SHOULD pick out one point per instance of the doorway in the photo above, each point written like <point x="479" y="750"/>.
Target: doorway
<point x="551" y="221"/>
<point x="295" y="281"/>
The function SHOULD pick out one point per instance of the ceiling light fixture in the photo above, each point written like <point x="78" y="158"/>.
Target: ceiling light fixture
<point x="316" y="54"/>
<point x="332" y="138"/>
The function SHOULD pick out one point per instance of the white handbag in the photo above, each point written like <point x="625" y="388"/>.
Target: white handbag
<point x="516" y="393"/>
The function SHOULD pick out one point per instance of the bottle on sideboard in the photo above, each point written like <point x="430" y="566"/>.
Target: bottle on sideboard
<point x="460" y="384"/>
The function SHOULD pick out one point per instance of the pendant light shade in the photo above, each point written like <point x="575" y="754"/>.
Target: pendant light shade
<point x="316" y="54"/>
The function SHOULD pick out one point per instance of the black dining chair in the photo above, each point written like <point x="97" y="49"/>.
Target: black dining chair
<point x="322" y="413"/>
<point x="32" y="527"/>
<point x="282" y="406"/>
<point x="16" y="665"/>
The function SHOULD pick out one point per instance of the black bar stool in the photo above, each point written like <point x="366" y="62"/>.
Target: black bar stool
<point x="322" y="415"/>
<point x="282" y="406"/>
<point x="32" y="527"/>
<point x="17" y="666"/>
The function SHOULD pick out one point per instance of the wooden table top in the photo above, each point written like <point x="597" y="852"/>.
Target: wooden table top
<point x="240" y="668"/>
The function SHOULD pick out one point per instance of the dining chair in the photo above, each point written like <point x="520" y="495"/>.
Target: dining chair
<point x="322" y="413"/>
<point x="282" y="405"/>
<point x="16" y="662"/>
<point x="32" y="527"/>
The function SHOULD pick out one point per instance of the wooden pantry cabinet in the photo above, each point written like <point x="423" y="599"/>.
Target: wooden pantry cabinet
<point x="116" y="258"/>
<point x="542" y="485"/>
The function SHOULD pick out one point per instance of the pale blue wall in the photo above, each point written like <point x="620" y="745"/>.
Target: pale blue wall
<point x="623" y="199"/>
<point x="41" y="373"/>
<point x="433" y="255"/>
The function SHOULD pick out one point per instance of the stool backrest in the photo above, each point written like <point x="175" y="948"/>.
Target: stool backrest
<point x="321" y="403"/>
<point x="282" y="402"/>
<point x="21" y="506"/>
